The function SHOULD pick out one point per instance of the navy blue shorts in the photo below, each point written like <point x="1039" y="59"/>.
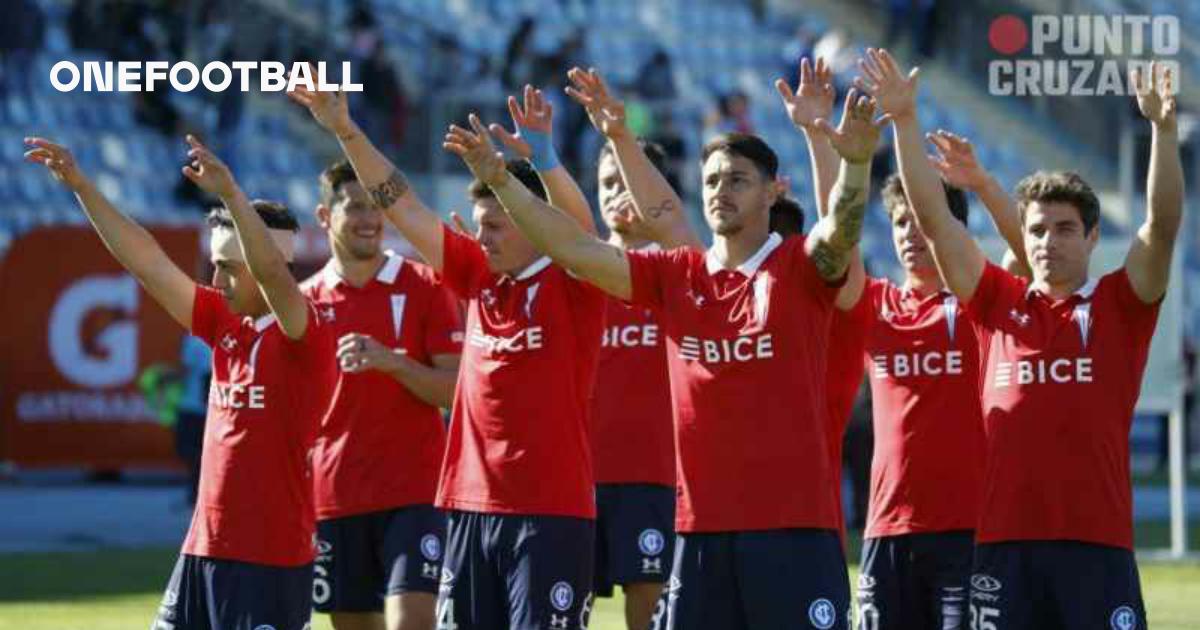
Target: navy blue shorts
<point x="915" y="581"/>
<point x="365" y="557"/>
<point x="1065" y="585"/>
<point x="635" y="538"/>
<point x="520" y="572"/>
<point x="766" y="580"/>
<point x="216" y="594"/>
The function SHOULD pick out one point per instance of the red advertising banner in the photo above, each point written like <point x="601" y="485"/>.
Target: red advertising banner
<point x="77" y="331"/>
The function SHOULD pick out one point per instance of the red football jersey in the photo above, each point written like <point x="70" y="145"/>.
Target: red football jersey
<point x="747" y="355"/>
<point x="632" y="435"/>
<point x="843" y="380"/>
<point x="380" y="446"/>
<point x="518" y="439"/>
<point x="1060" y="382"/>
<point x="267" y="397"/>
<point x="923" y="362"/>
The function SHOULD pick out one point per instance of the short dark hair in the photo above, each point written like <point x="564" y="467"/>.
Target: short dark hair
<point x="787" y="216"/>
<point x="275" y="214"/>
<point x="522" y="170"/>
<point x="333" y="178"/>
<point x="1060" y="187"/>
<point x="748" y="146"/>
<point x="893" y="197"/>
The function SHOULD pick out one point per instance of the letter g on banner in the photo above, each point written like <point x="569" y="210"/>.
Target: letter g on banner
<point x="111" y="357"/>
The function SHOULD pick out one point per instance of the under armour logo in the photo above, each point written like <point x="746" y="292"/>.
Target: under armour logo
<point x="488" y="298"/>
<point x="697" y="299"/>
<point x="228" y="342"/>
<point x="429" y="571"/>
<point x="328" y="314"/>
<point x="1021" y="319"/>
<point x="558" y="622"/>
<point x="651" y="565"/>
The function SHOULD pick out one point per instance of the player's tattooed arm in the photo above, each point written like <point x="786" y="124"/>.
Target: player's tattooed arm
<point x="654" y="202"/>
<point x="836" y="235"/>
<point x="956" y="162"/>
<point x="265" y="260"/>
<point x="1148" y="263"/>
<point x="387" y="187"/>
<point x="549" y="230"/>
<point x="958" y="257"/>
<point x="128" y="242"/>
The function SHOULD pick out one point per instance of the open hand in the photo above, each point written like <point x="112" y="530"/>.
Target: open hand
<point x="207" y="171"/>
<point x="58" y="160"/>
<point x="606" y="112"/>
<point x="813" y="98"/>
<point x="477" y="152"/>
<point x="1155" y="96"/>
<point x="329" y="109"/>
<point x="856" y="136"/>
<point x="882" y="79"/>
<point x="955" y="160"/>
<point x="537" y="116"/>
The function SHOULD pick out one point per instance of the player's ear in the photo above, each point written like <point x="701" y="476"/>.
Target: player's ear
<point x="323" y="214"/>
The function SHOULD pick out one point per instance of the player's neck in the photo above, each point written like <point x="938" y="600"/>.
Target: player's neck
<point x="357" y="272"/>
<point x="923" y="283"/>
<point x="732" y="251"/>
<point x="1058" y="290"/>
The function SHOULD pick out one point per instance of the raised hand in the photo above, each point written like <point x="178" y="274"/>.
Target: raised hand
<point x="955" y="160"/>
<point x="856" y="136"/>
<point x="329" y="109"/>
<point x="477" y="152"/>
<point x="533" y="124"/>
<point x="207" y="171"/>
<point x="895" y="92"/>
<point x="58" y="160"/>
<point x="813" y="98"/>
<point x="1154" y="96"/>
<point x="606" y="112"/>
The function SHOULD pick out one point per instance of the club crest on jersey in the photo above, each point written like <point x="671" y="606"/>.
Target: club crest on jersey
<point x="1123" y="618"/>
<point x="487" y="297"/>
<point x="431" y="547"/>
<point x="822" y="614"/>
<point x="328" y="314"/>
<point x="1022" y="319"/>
<point x="651" y="542"/>
<point x="562" y="596"/>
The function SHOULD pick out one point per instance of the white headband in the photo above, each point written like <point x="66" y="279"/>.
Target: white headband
<point x="225" y="244"/>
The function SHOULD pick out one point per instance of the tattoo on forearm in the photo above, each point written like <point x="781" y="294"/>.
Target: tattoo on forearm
<point x="385" y="193"/>
<point x="655" y="212"/>
<point x="831" y="254"/>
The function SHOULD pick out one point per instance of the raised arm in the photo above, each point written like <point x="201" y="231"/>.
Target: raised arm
<point x="265" y="261"/>
<point x="551" y="231"/>
<point x="833" y="241"/>
<point x="128" y="242"/>
<point x="654" y="200"/>
<point x="533" y="141"/>
<point x="1149" y="260"/>
<point x="959" y="258"/>
<point x="385" y="184"/>
<point x="955" y="160"/>
<point x="813" y="101"/>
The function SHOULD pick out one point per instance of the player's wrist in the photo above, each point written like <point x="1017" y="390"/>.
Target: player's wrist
<point x="542" y="156"/>
<point x="500" y="181"/>
<point x="346" y="130"/>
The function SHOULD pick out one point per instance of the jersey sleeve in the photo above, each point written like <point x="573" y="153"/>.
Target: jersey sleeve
<point x="463" y="263"/>
<point x="996" y="293"/>
<point x="443" y="332"/>
<point x="1140" y="317"/>
<point x="648" y="275"/>
<point x="210" y="315"/>
<point x="819" y="288"/>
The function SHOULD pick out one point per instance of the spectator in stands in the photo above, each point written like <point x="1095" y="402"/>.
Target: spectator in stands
<point x="731" y="116"/>
<point x="798" y="47"/>
<point x="21" y="34"/>
<point x="519" y="58"/>
<point x="656" y="78"/>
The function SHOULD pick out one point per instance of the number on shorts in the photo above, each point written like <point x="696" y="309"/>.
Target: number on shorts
<point x="321" y="588"/>
<point x="980" y="615"/>
<point x="445" y="614"/>
<point x="868" y="617"/>
<point x="660" y="614"/>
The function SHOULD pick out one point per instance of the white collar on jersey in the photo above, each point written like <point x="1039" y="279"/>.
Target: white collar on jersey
<point x="1084" y="291"/>
<point x="387" y="273"/>
<point x="752" y="263"/>
<point x="533" y="269"/>
<point x="263" y="323"/>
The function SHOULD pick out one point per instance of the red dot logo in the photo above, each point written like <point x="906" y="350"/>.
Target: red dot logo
<point x="1008" y="34"/>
